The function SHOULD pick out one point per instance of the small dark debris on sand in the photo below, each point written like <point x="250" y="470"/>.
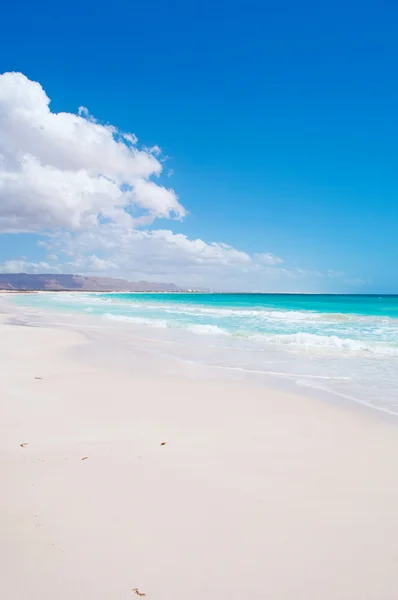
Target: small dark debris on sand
<point x="24" y="444"/>
<point x="38" y="377"/>
<point x="138" y="593"/>
<point x="85" y="458"/>
<point x="163" y="443"/>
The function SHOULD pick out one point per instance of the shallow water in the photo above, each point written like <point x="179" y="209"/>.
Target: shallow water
<point x="347" y="345"/>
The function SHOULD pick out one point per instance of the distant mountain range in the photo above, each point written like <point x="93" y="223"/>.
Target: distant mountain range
<point x="55" y="282"/>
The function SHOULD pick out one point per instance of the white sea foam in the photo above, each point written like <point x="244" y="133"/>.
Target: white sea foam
<point x="207" y="329"/>
<point x="137" y="320"/>
<point x="233" y="312"/>
<point x="302" y="339"/>
<point x="311" y="340"/>
<point x="198" y="329"/>
<point x="271" y="314"/>
<point x="80" y="298"/>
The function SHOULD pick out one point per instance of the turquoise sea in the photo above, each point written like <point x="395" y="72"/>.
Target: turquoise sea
<point x="346" y="345"/>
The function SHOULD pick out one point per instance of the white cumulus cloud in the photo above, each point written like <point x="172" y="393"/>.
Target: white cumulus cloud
<point x="92" y="192"/>
<point x="163" y="255"/>
<point x="266" y="258"/>
<point x="68" y="170"/>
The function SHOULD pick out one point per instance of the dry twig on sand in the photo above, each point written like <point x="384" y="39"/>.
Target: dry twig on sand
<point x="138" y="593"/>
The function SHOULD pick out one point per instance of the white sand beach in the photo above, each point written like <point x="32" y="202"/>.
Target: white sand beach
<point x="255" y="494"/>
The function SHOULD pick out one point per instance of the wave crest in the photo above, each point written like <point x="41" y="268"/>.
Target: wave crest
<point x="136" y="320"/>
<point x="207" y="329"/>
<point x="312" y="340"/>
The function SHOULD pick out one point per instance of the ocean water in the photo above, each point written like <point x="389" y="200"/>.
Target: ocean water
<point x="344" y="345"/>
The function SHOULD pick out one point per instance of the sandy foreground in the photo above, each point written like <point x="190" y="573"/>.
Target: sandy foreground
<point x="257" y="494"/>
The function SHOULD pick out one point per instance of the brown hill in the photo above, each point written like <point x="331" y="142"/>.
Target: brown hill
<point x="54" y="282"/>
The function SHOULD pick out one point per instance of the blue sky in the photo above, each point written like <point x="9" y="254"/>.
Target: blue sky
<point x="277" y="120"/>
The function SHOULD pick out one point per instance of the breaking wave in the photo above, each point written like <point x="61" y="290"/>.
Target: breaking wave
<point x="136" y="320"/>
<point x="207" y="329"/>
<point x="311" y="340"/>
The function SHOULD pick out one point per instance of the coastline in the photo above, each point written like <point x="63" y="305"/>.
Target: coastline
<point x="257" y="493"/>
<point x="293" y="350"/>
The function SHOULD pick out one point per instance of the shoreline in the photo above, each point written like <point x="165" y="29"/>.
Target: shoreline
<point x="147" y="334"/>
<point x="256" y="493"/>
